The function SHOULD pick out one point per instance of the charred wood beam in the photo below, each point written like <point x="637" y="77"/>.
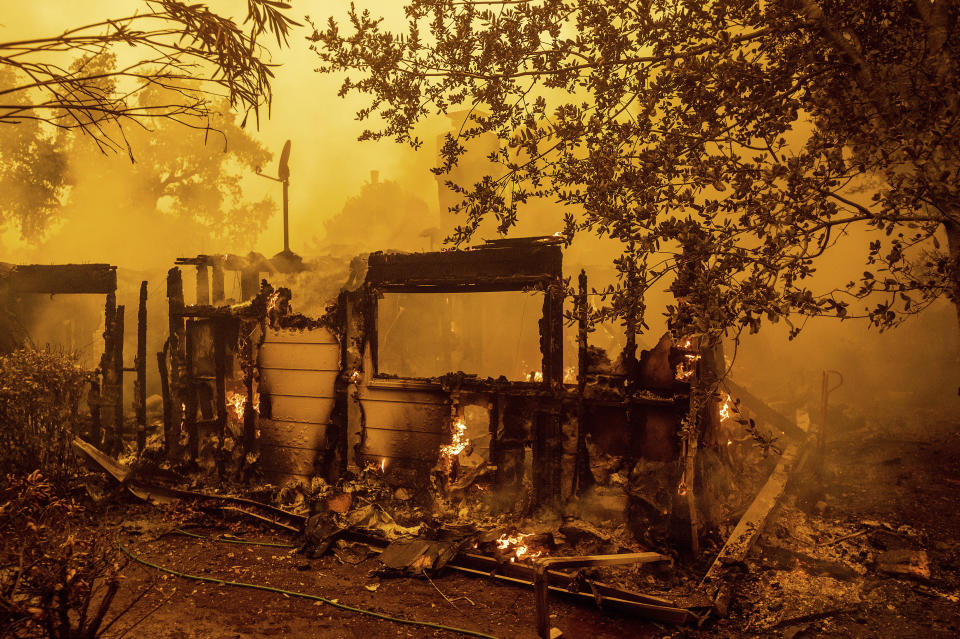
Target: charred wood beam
<point x="168" y="428"/>
<point x="220" y="366"/>
<point x="537" y="262"/>
<point x="432" y="285"/>
<point x="111" y="371"/>
<point x="547" y="456"/>
<point x="63" y="279"/>
<point x="354" y="340"/>
<point x="140" y="364"/>
<point x="768" y="415"/>
<point x="118" y="375"/>
<point x="541" y="577"/>
<point x="190" y="398"/>
<point x="564" y="584"/>
<point x="551" y="334"/>
<point x="718" y="583"/>
<point x="339" y="418"/>
<point x="175" y="353"/>
<point x="496" y="432"/>
<point x="194" y="261"/>
<point x="583" y="317"/>
<point x="582" y="477"/>
<point x="93" y="403"/>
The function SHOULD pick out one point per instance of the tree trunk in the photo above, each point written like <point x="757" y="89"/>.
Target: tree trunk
<point x="953" y="245"/>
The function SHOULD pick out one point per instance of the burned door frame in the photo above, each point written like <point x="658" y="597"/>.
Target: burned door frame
<point x="498" y="266"/>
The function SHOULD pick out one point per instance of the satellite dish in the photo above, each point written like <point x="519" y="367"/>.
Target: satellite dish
<point x="284" y="171"/>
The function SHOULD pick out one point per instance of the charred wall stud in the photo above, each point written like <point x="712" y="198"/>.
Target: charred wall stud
<point x="140" y="364"/>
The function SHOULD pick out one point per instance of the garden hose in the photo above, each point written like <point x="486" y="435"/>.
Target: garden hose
<point x="293" y="593"/>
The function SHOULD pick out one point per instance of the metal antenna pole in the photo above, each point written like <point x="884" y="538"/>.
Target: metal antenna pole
<point x="286" y="219"/>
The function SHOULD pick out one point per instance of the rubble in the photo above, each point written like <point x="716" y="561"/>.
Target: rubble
<point x="591" y="468"/>
<point x="905" y="563"/>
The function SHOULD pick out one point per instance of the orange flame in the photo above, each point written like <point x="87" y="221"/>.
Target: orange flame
<point x="688" y="367"/>
<point x="459" y="442"/>
<point x="725" y="409"/>
<point x="237" y="402"/>
<point x="516" y="544"/>
<point x="273" y="302"/>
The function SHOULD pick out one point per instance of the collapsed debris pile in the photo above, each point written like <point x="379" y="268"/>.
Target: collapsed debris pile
<point x="633" y="472"/>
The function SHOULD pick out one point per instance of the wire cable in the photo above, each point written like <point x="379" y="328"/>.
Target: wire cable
<point x="302" y="595"/>
<point x="226" y="540"/>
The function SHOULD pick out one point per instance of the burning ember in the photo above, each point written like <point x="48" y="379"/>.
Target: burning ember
<point x="273" y="302"/>
<point x="516" y="544"/>
<point x="237" y="402"/>
<point x="371" y="466"/>
<point x="535" y="376"/>
<point x="569" y="375"/>
<point x="725" y="409"/>
<point x="459" y="443"/>
<point x="688" y="367"/>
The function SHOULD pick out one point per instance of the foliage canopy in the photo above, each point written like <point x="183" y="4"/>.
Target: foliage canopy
<point x="728" y="145"/>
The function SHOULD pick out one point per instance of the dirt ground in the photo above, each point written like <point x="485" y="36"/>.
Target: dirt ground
<point x="884" y="489"/>
<point x="894" y="488"/>
<point x="183" y="608"/>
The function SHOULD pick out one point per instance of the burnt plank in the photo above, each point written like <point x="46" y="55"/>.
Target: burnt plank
<point x="509" y="263"/>
<point x="140" y="363"/>
<point x="64" y="278"/>
<point x="718" y="584"/>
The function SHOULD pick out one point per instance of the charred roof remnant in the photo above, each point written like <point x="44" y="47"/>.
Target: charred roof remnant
<point x="210" y="283"/>
<point x="92" y="279"/>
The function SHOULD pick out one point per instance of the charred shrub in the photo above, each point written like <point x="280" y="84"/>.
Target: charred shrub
<point x="58" y="579"/>
<point x="40" y="396"/>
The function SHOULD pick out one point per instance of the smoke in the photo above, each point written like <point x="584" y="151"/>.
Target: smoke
<point x="337" y="208"/>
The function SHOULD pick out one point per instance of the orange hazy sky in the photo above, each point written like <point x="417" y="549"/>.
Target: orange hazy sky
<point x="327" y="163"/>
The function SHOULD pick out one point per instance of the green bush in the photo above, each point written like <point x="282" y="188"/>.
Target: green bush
<point x="40" y="396"/>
